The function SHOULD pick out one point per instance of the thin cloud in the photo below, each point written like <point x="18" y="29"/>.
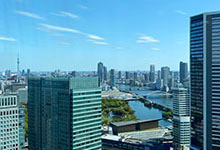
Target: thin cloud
<point x="68" y="14"/>
<point x="65" y="14"/>
<point x="147" y="39"/>
<point x="155" y="48"/>
<point x="99" y="42"/>
<point x="29" y="14"/>
<point x="63" y="43"/>
<point x="83" y="7"/>
<point x="10" y="39"/>
<point x="95" y="37"/>
<point x="58" y="28"/>
<point x="180" y="12"/>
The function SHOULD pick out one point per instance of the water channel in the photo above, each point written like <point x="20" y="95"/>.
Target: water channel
<point x="143" y="112"/>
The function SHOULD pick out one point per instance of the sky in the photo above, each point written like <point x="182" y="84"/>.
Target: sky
<point x="77" y="34"/>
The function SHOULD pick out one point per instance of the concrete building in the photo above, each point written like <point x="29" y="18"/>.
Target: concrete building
<point x="204" y="80"/>
<point x="128" y="126"/>
<point x="11" y="123"/>
<point x="64" y="113"/>
<point x="181" y="119"/>
<point x="183" y="71"/>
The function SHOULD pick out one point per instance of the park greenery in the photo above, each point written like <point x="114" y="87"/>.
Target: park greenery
<point x="168" y="114"/>
<point x="115" y="110"/>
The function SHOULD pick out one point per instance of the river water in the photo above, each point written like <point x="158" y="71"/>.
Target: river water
<point x="143" y="112"/>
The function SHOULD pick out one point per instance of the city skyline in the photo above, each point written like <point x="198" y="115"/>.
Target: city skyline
<point x="84" y="28"/>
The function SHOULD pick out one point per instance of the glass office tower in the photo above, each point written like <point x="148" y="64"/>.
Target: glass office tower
<point x="64" y="113"/>
<point x="205" y="80"/>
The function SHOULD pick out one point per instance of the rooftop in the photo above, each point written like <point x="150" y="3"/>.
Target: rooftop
<point x="125" y="123"/>
<point x="159" y="133"/>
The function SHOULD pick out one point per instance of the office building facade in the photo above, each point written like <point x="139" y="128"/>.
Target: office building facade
<point x="11" y="127"/>
<point x="204" y="77"/>
<point x="64" y="113"/>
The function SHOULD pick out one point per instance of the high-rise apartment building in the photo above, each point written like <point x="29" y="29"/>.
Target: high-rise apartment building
<point x="165" y="75"/>
<point x="64" y="113"/>
<point x="11" y="123"/>
<point x="152" y="73"/>
<point x="204" y="78"/>
<point x="183" y="71"/>
<point x="181" y="119"/>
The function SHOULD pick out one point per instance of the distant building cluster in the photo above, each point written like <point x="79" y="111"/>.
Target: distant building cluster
<point x="163" y="79"/>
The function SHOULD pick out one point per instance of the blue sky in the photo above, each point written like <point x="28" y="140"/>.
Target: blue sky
<point x="77" y="34"/>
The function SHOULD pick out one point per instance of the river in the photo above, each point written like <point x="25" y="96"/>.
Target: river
<point x="143" y="112"/>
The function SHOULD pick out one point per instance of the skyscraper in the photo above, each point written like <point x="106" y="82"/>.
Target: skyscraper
<point x="181" y="118"/>
<point x="146" y="77"/>
<point x="152" y="73"/>
<point x="204" y="78"/>
<point x="159" y="74"/>
<point x="11" y="123"/>
<point x="119" y="75"/>
<point x="28" y="72"/>
<point x="135" y="76"/>
<point x="127" y="75"/>
<point x="105" y="73"/>
<point x="64" y="113"/>
<point x="112" y="77"/>
<point x="165" y="75"/>
<point x="100" y="72"/>
<point x="183" y="71"/>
